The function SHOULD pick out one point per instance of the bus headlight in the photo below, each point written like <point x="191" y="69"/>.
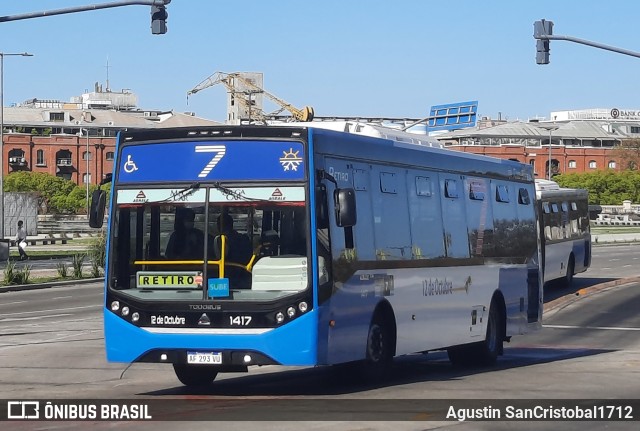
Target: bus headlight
<point x="115" y="305"/>
<point x="279" y="317"/>
<point x="135" y="317"/>
<point x="291" y="312"/>
<point x="302" y="307"/>
<point x="125" y="311"/>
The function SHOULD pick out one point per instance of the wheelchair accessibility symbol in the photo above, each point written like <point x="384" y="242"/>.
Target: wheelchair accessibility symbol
<point x="129" y="165"/>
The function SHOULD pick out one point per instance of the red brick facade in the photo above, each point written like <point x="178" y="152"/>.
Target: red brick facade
<point x="567" y="159"/>
<point x="59" y="155"/>
<point x="64" y="156"/>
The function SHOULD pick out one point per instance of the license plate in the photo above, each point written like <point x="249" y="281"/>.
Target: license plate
<point x="204" y="358"/>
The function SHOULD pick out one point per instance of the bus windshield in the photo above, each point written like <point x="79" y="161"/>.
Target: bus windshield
<point x="247" y="244"/>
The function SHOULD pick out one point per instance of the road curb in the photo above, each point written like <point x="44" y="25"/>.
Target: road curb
<point x="558" y="304"/>
<point x="21" y="287"/>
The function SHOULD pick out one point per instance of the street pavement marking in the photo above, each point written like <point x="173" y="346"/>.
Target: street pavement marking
<point x="54" y="309"/>
<point x="607" y="328"/>
<point x="15" y="302"/>
<point x="20" y="319"/>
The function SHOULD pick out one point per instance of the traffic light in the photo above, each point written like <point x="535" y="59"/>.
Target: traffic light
<point x="541" y="29"/>
<point x="159" y="17"/>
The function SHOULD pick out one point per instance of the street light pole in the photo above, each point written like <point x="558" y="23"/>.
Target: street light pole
<point x="2" y="55"/>
<point x="550" y="154"/>
<point x="550" y="128"/>
<point x="87" y="169"/>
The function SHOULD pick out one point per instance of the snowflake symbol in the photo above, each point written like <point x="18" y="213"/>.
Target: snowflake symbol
<point x="290" y="160"/>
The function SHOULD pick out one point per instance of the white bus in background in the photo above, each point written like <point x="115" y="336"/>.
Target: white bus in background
<point x="564" y="231"/>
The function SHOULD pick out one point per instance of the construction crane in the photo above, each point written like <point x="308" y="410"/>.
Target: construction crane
<point x="230" y="80"/>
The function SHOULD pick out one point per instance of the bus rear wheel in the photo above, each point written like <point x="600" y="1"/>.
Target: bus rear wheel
<point x="571" y="266"/>
<point x="195" y="375"/>
<point x="489" y="350"/>
<point x="485" y="352"/>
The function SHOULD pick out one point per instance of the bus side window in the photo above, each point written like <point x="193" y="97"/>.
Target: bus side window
<point x="322" y="209"/>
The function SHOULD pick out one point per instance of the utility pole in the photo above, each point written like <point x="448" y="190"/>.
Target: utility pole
<point x="2" y="56"/>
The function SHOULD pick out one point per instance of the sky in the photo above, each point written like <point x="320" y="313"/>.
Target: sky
<point x="343" y="57"/>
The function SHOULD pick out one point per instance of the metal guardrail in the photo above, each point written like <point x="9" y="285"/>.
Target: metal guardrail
<point x="613" y="222"/>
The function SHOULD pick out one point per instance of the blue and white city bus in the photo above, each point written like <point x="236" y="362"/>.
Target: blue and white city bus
<point x="361" y="249"/>
<point x="564" y="231"/>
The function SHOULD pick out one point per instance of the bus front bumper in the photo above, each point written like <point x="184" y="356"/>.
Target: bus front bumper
<point x="294" y="343"/>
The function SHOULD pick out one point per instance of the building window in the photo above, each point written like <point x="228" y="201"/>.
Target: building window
<point x="40" y="158"/>
<point x="572" y="164"/>
<point x="86" y="155"/>
<point x="86" y="177"/>
<point x="612" y="164"/>
<point x="16" y="152"/>
<point x="16" y="158"/>
<point x="109" y="155"/>
<point x="63" y="159"/>
<point x="56" y="116"/>
<point x="635" y="129"/>
<point x="593" y="164"/>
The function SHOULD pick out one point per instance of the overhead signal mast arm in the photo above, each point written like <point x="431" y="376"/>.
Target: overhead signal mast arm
<point x="543" y="33"/>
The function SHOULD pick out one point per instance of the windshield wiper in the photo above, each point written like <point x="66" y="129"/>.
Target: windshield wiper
<point x="234" y="194"/>
<point x="181" y="195"/>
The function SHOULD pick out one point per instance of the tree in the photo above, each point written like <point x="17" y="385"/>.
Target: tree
<point x="628" y="152"/>
<point x="57" y="195"/>
<point x="605" y="187"/>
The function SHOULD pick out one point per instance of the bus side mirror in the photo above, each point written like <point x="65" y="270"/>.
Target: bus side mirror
<point x="345" y="207"/>
<point x="98" y="204"/>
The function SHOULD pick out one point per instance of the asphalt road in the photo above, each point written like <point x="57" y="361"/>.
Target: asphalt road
<point x="51" y="346"/>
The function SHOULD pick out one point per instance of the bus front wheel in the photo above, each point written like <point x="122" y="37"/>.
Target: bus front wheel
<point x="195" y="375"/>
<point x="379" y="354"/>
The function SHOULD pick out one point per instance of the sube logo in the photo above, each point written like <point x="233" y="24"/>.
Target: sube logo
<point x="23" y="410"/>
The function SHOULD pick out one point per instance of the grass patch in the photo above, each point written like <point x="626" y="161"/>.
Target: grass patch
<point x="44" y="279"/>
<point x="614" y="229"/>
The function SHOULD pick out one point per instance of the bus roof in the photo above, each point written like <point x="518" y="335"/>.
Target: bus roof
<point x="550" y="189"/>
<point x="373" y="130"/>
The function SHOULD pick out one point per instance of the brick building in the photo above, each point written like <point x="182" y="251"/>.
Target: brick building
<point x="570" y="144"/>
<point x="60" y="155"/>
<point x="76" y="140"/>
